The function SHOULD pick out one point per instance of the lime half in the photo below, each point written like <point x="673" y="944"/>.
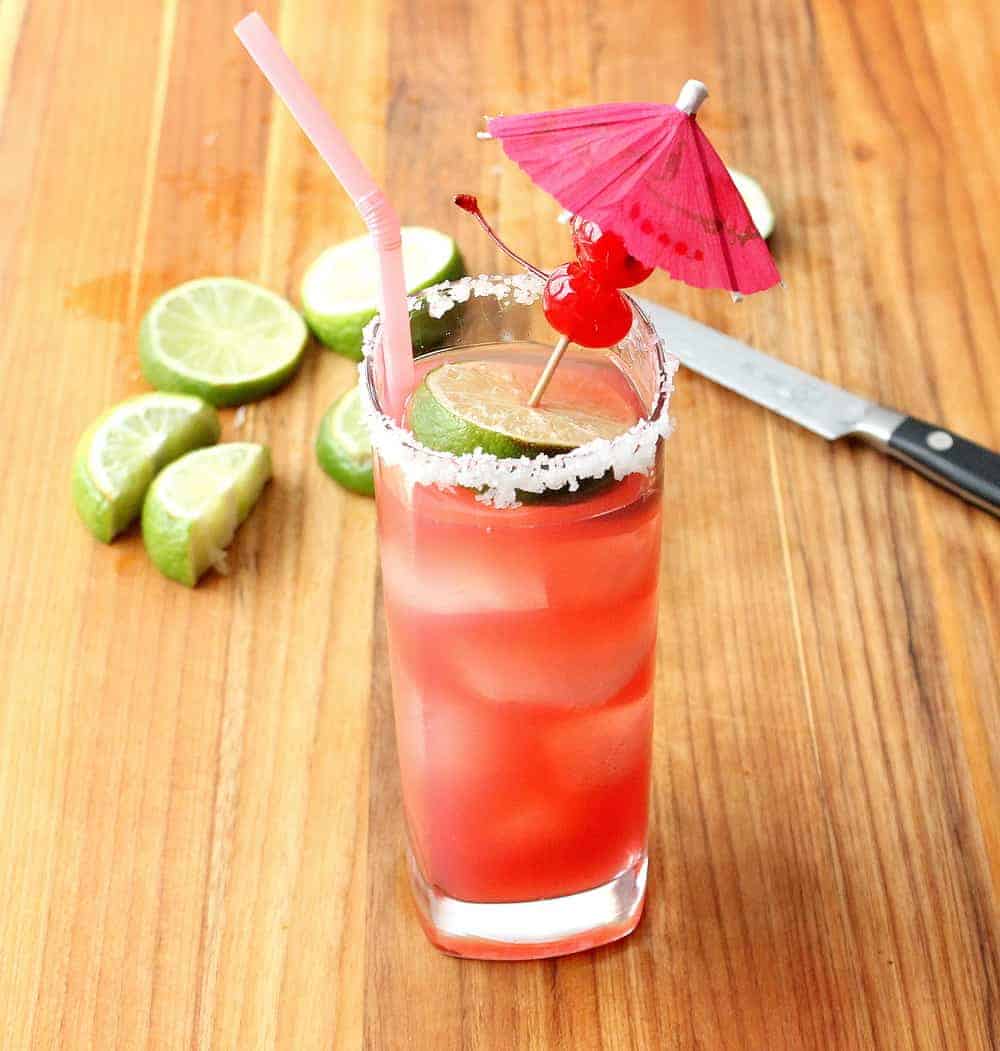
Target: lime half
<point x="226" y="340"/>
<point x="121" y="451"/>
<point x="463" y="406"/>
<point x="343" y="447"/>
<point x="756" y="201"/>
<point x="340" y="289"/>
<point x="195" y="506"/>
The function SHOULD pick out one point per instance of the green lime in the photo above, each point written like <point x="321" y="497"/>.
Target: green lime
<point x="224" y="339"/>
<point x="756" y="201"/>
<point x="340" y="289"/>
<point x="343" y="447"/>
<point x="195" y="506"/>
<point x="463" y="406"/>
<point x="120" y="452"/>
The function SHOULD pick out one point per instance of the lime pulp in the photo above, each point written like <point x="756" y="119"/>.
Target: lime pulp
<point x="460" y="407"/>
<point x="756" y="201"/>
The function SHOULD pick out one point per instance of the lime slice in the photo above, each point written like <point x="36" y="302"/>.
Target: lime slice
<point x="224" y="339"/>
<point x="121" y="451"/>
<point x="195" y="506"/>
<point x="756" y="201"/>
<point x="340" y="289"/>
<point x="343" y="447"/>
<point x="463" y="406"/>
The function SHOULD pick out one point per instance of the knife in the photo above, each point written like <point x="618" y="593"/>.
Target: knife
<point x="968" y="469"/>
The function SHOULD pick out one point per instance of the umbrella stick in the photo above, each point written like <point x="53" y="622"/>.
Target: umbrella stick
<point x="550" y="367"/>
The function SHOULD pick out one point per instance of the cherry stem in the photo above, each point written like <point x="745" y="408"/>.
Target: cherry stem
<point x="467" y="202"/>
<point x="550" y="366"/>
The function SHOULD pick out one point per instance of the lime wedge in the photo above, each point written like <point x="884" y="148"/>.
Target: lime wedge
<point x="343" y="447"/>
<point x="195" y="506"/>
<point x="756" y="201"/>
<point x="462" y="406"/>
<point x="340" y="289"/>
<point x="226" y="340"/>
<point x="121" y="451"/>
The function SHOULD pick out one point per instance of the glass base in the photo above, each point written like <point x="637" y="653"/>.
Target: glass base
<point x="531" y="930"/>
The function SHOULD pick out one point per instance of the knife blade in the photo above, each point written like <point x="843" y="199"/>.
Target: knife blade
<point x="970" y="470"/>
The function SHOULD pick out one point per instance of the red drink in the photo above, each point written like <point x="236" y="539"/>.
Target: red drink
<point x="522" y="644"/>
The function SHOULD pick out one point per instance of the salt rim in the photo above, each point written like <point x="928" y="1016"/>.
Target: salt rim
<point x="498" y="479"/>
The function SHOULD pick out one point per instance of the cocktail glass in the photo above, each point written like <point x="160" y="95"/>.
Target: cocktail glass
<point x="521" y="607"/>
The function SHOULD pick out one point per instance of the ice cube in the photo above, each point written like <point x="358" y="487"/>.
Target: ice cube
<point x="619" y="565"/>
<point x="457" y="581"/>
<point x="602" y="745"/>
<point x="544" y="659"/>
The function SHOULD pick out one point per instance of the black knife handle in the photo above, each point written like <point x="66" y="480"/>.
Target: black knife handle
<point x="966" y="468"/>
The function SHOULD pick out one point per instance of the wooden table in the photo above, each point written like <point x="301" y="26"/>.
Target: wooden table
<point x="200" y="826"/>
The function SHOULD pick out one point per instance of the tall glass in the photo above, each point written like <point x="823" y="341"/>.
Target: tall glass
<point x="522" y="635"/>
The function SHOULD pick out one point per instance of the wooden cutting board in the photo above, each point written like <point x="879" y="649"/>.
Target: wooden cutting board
<point x="200" y="827"/>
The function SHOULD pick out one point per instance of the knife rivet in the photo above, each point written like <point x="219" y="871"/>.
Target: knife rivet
<point x="940" y="441"/>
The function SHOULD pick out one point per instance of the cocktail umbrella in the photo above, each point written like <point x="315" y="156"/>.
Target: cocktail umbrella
<point x="647" y="172"/>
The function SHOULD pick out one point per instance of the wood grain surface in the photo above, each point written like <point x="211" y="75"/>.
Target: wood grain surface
<point x="200" y="827"/>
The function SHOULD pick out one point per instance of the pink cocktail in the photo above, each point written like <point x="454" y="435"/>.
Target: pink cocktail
<point x="522" y="637"/>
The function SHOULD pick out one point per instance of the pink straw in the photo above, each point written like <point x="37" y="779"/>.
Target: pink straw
<point x="379" y="215"/>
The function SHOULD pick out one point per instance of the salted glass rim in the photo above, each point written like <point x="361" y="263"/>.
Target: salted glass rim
<point x="497" y="479"/>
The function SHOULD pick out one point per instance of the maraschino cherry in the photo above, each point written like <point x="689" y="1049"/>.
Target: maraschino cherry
<point x="581" y="307"/>
<point x="577" y="303"/>
<point x="604" y="254"/>
<point x="581" y="300"/>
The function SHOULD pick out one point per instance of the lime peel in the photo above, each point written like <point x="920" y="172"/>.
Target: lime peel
<point x="343" y="447"/>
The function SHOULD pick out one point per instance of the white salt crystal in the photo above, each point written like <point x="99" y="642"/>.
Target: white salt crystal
<point x="632" y="452"/>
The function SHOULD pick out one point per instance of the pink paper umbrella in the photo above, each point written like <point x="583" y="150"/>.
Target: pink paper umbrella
<point x="647" y="172"/>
